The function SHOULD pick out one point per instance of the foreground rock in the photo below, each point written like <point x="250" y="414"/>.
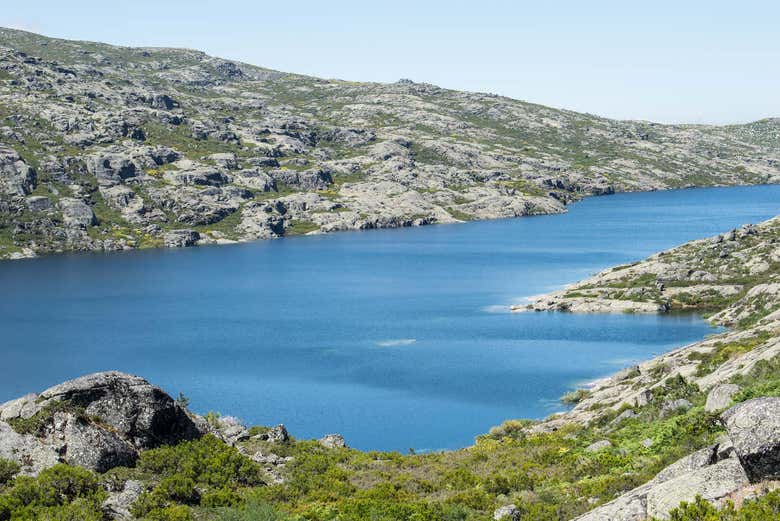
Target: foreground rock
<point x="754" y="428"/>
<point x="750" y="454"/>
<point x="98" y="421"/>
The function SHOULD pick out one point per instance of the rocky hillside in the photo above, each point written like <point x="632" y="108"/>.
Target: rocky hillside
<point x="106" y="148"/>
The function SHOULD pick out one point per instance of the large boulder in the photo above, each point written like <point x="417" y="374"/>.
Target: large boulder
<point x="76" y="213"/>
<point x="119" y="503"/>
<point x="754" y="429"/>
<point x="139" y="411"/>
<point x="315" y="179"/>
<point x="99" y="421"/>
<point x="198" y="176"/>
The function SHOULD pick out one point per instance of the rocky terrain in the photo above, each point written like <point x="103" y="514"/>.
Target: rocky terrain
<point x="110" y="148"/>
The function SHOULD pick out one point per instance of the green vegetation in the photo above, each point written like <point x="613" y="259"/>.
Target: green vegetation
<point x="725" y="351"/>
<point x="301" y="227"/>
<point x="8" y="469"/>
<point x="61" y="493"/>
<point x="36" y="423"/>
<point x="764" y="508"/>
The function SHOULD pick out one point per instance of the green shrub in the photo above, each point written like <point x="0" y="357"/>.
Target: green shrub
<point x="8" y="469"/>
<point x="207" y="462"/>
<point x="252" y="511"/>
<point x="761" y="509"/>
<point x="58" y="493"/>
<point x="222" y="497"/>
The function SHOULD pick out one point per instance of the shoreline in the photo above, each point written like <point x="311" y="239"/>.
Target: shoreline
<point x="423" y="223"/>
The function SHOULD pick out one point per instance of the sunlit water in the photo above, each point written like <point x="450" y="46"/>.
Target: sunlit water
<point x="394" y="338"/>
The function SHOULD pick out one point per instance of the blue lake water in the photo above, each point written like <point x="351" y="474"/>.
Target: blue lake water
<point x="394" y="338"/>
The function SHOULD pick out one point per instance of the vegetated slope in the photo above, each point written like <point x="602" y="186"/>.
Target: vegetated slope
<point x="105" y="147"/>
<point x="633" y="445"/>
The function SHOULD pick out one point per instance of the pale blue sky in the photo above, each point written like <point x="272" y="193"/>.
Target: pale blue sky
<point x="670" y="61"/>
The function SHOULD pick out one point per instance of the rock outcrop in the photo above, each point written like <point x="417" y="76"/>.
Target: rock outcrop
<point x="98" y="421"/>
<point x="749" y="454"/>
<point x="754" y="429"/>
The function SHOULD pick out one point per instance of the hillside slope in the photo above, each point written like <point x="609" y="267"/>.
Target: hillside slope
<point x="105" y="148"/>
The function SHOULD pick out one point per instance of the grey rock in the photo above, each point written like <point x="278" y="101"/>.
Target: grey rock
<point x="332" y="441"/>
<point x="255" y="178"/>
<point x="675" y="405"/>
<point x="307" y="180"/>
<point x="712" y="483"/>
<point x="645" y="397"/>
<point x="181" y="238"/>
<point x="232" y="434"/>
<point x="32" y="454"/>
<point x="754" y="429"/>
<point x="276" y="434"/>
<point x="24" y="407"/>
<point x="699" y="459"/>
<point x="86" y="445"/>
<point x="38" y="203"/>
<point x="141" y="413"/>
<point x="118" y="504"/>
<point x="16" y="177"/>
<point x="627" y="507"/>
<point x="76" y="213"/>
<point x="507" y="513"/>
<point x="625" y="415"/>
<point x="199" y="176"/>
<point x="227" y="160"/>
<point x="720" y="397"/>
<point x="111" y="168"/>
<point x="599" y="445"/>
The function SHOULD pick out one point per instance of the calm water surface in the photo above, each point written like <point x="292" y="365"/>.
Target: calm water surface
<point x="394" y="338"/>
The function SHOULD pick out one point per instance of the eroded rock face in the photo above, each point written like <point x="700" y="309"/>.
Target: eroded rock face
<point x="754" y="429"/>
<point x="99" y="421"/>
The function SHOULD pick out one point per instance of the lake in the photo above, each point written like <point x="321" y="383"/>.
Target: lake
<point x="396" y="339"/>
